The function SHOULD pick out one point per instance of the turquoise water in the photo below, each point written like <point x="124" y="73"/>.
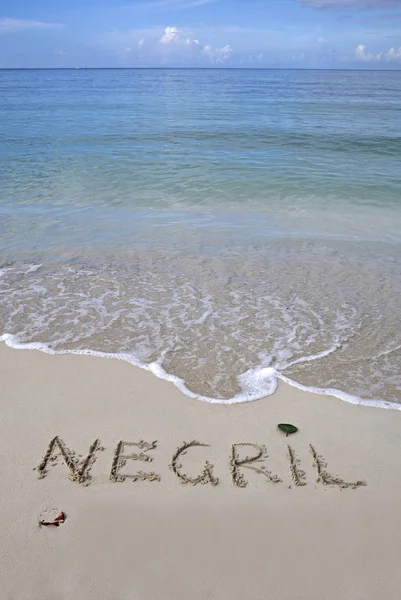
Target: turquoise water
<point x="223" y="228"/>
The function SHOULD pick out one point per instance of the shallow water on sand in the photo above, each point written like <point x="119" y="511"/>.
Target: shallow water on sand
<point x="222" y="228"/>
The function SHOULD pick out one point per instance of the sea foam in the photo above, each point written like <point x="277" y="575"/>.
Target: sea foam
<point x="256" y="383"/>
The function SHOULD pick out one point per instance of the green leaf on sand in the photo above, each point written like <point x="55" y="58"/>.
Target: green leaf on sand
<point x="287" y="428"/>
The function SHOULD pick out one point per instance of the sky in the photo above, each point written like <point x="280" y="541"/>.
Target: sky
<point x="332" y="34"/>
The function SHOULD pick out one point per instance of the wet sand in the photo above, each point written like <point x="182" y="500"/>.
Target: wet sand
<point x="315" y="516"/>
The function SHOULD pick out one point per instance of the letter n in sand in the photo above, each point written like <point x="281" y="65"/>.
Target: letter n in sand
<point x="79" y="469"/>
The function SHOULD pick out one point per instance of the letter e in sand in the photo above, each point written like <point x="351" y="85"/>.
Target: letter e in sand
<point x="120" y="459"/>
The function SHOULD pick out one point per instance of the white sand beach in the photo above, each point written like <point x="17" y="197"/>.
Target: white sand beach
<point x="171" y="539"/>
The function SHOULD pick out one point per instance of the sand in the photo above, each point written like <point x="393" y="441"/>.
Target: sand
<point x="195" y="522"/>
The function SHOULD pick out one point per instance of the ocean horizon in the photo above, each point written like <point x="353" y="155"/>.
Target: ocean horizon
<point x="223" y="228"/>
<point x="209" y="68"/>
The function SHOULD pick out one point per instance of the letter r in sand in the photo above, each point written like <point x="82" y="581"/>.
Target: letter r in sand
<point x="249" y="462"/>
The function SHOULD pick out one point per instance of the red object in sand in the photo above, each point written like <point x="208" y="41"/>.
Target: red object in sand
<point x="52" y="517"/>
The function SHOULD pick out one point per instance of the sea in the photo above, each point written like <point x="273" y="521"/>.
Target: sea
<point x="224" y="229"/>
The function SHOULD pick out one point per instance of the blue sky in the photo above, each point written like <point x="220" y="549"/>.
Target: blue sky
<point x="201" y="33"/>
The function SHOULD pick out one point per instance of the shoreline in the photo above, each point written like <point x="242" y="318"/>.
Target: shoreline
<point x="156" y="369"/>
<point x="166" y="538"/>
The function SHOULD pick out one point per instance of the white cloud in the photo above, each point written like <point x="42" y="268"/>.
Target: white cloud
<point x="218" y="55"/>
<point x="392" y="55"/>
<point x="169" y="46"/>
<point x="17" y="25"/>
<point x="360" y="53"/>
<point x="173" y="35"/>
<point x="320" y="40"/>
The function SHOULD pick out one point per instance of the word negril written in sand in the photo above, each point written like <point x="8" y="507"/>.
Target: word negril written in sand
<point x="242" y="457"/>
